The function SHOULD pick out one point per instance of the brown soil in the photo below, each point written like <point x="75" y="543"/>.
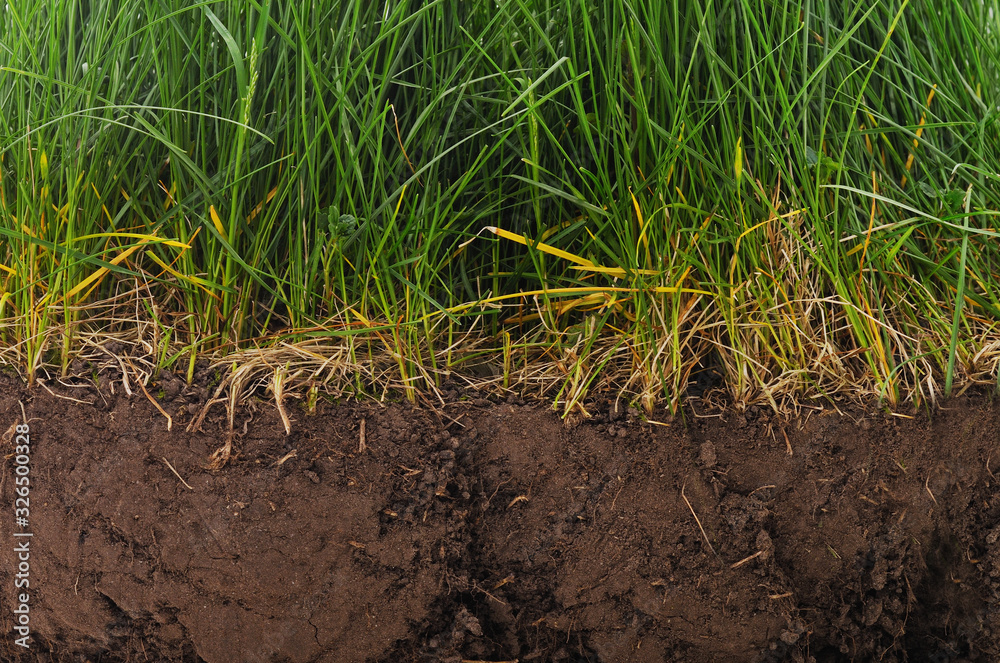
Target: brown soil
<point x="495" y="532"/>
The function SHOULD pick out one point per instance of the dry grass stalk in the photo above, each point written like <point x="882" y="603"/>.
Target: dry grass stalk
<point x="176" y="474"/>
<point x="277" y="387"/>
<point x="170" y="421"/>
<point x="743" y="561"/>
<point x="697" y="520"/>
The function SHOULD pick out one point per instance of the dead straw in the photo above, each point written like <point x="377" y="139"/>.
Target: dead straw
<point x="697" y="520"/>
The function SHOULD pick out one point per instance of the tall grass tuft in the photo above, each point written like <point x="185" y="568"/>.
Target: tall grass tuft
<point x="559" y="198"/>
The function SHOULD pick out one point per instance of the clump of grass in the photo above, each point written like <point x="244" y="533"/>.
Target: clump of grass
<point x="800" y="194"/>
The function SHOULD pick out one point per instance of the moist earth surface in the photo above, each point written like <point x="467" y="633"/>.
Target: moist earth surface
<point x="472" y="529"/>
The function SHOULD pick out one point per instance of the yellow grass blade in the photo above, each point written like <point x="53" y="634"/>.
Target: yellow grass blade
<point x="920" y="132"/>
<point x="544" y="248"/>
<point x="201" y="283"/>
<point x="256" y="210"/>
<point x="582" y="264"/>
<point x="738" y="161"/>
<point x="103" y="206"/>
<point x="360" y="317"/>
<point x="149" y="238"/>
<point x="597" y="300"/>
<point x="217" y="222"/>
<point x="615" y="271"/>
<point x="549" y="232"/>
<point x="642" y="241"/>
<point x="95" y="278"/>
<point x="868" y="235"/>
<point x="580" y="290"/>
<point x="732" y="266"/>
<point x="400" y="203"/>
